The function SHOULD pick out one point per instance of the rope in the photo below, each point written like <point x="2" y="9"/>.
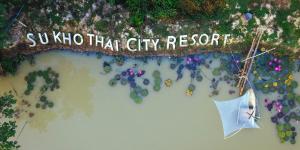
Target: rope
<point x="258" y="55"/>
<point x="14" y="18"/>
<point x="26" y="122"/>
<point x="252" y="58"/>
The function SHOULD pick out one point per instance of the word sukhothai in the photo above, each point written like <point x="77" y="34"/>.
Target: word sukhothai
<point x="130" y="44"/>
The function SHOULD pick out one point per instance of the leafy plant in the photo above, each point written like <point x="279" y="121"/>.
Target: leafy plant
<point x="3" y="32"/>
<point x="10" y="65"/>
<point x="101" y="25"/>
<point x="50" y="77"/>
<point x="8" y="126"/>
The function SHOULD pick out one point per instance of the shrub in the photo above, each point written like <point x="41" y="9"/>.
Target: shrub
<point x="102" y="25"/>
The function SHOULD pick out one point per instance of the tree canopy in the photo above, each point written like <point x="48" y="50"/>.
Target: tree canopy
<point x="7" y="123"/>
<point x="3" y="21"/>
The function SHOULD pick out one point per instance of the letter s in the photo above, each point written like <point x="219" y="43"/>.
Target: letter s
<point x="30" y="38"/>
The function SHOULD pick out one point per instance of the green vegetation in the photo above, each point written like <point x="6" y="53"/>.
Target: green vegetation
<point x="10" y="65"/>
<point x="169" y="9"/>
<point x="7" y="124"/>
<point x="268" y="80"/>
<point x="50" y="77"/>
<point x="157" y="80"/>
<point x="3" y="22"/>
<point x="51" y="83"/>
<point x="44" y="103"/>
<point x="285" y="133"/>
<point x="160" y="17"/>
<point x="102" y="26"/>
<point x="290" y="33"/>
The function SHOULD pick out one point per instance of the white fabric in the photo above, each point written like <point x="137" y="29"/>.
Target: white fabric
<point x="236" y="115"/>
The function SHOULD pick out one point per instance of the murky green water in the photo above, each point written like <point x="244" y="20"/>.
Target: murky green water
<point x="91" y="115"/>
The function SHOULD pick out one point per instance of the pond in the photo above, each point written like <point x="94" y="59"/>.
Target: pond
<point x="90" y="114"/>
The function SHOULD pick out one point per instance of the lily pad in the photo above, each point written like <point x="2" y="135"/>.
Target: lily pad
<point x="216" y="72"/>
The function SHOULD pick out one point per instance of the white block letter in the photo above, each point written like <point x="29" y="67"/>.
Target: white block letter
<point x="206" y="39"/>
<point x="80" y="38"/>
<point x="183" y="41"/>
<point x="215" y="38"/>
<point x="128" y="44"/>
<point x="171" y="40"/>
<point x="46" y="38"/>
<point x="67" y="38"/>
<point x="30" y="37"/>
<point x="56" y="37"/>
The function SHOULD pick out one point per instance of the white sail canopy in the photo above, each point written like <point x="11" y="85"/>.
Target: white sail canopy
<point x="238" y="113"/>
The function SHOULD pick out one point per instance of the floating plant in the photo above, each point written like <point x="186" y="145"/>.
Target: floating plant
<point x="168" y="82"/>
<point x="107" y="67"/>
<point x="190" y="90"/>
<point x="119" y="60"/>
<point x="157" y="80"/>
<point x="44" y="103"/>
<point x="191" y="63"/>
<point x="50" y="77"/>
<point x="129" y="77"/>
<point x="216" y="72"/>
<point x="272" y="74"/>
<point x="230" y="65"/>
<point x="51" y="83"/>
<point x="267" y="77"/>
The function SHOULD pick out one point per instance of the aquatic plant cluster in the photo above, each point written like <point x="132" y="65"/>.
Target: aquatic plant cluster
<point x="132" y="75"/>
<point x="270" y="74"/>
<point x="135" y="76"/>
<point x="51" y="83"/>
<point x="274" y="74"/>
<point x="7" y="122"/>
<point x="129" y="77"/>
<point x="50" y="77"/>
<point x="192" y="65"/>
<point x="44" y="103"/>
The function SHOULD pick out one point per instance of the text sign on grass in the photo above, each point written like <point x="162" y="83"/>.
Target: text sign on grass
<point x="130" y="44"/>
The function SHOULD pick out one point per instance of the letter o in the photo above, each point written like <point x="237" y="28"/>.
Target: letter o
<point x="80" y="39"/>
<point x="206" y="39"/>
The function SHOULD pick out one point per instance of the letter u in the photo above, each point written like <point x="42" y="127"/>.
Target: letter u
<point x="41" y="38"/>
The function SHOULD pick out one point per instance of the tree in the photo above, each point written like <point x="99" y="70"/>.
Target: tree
<point x="3" y="32"/>
<point x="190" y="7"/>
<point x="10" y="65"/>
<point x="209" y="7"/>
<point x="7" y="124"/>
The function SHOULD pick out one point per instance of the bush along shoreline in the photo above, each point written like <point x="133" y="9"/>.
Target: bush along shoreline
<point x="8" y="124"/>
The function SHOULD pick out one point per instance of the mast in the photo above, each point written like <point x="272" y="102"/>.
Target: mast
<point x="243" y="77"/>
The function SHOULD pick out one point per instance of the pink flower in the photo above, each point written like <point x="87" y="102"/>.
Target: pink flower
<point x="278" y="106"/>
<point x="188" y="60"/>
<point x="278" y="68"/>
<point x="270" y="63"/>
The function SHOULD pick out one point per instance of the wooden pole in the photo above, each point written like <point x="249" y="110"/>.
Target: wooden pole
<point x="249" y="61"/>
